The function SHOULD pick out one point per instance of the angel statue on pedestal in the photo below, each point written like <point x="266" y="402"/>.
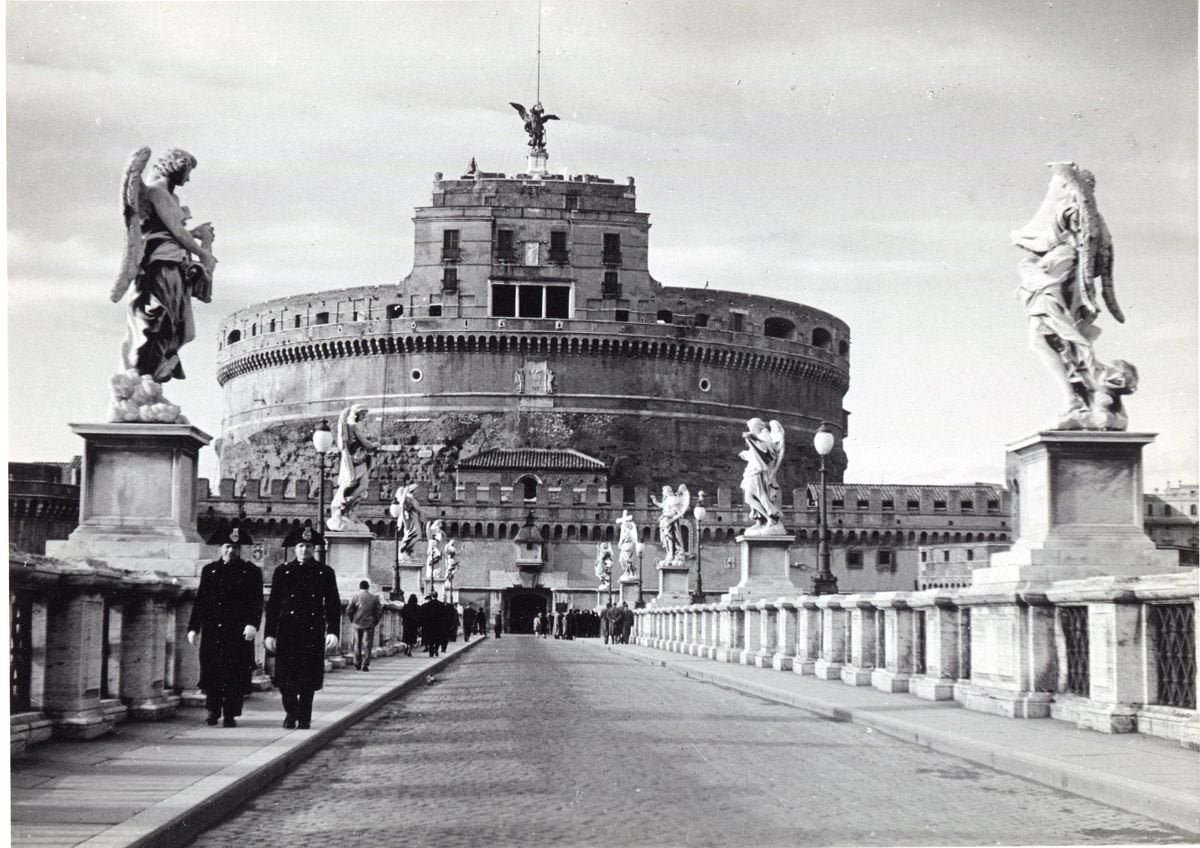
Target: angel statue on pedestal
<point x="358" y="455"/>
<point x="1067" y="248"/>
<point x="763" y="456"/>
<point x="167" y="265"/>
<point x="604" y="557"/>
<point x="627" y="544"/>
<point x="451" y="555"/>
<point x="434" y="536"/>
<point x="407" y="512"/>
<point x="674" y="506"/>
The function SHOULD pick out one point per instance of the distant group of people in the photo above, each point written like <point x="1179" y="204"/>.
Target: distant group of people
<point x="613" y="623"/>
<point x="616" y="623"/>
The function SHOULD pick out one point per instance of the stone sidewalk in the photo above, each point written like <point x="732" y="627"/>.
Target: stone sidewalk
<point x="1154" y="777"/>
<point x="162" y="783"/>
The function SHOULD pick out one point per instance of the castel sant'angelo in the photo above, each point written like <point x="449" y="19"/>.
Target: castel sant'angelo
<point x="530" y="365"/>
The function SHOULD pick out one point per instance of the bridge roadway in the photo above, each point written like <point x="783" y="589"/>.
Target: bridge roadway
<point x="526" y="741"/>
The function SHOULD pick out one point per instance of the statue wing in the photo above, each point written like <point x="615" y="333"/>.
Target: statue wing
<point x="776" y="438"/>
<point x="1104" y="267"/>
<point x="683" y="499"/>
<point x="131" y="205"/>
<point x="343" y="428"/>
<point x="521" y="110"/>
<point x="549" y="118"/>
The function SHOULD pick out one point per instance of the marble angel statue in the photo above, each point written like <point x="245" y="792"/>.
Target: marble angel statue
<point x="407" y="512"/>
<point x="674" y="506"/>
<point x="450" y="553"/>
<point x="166" y="265"/>
<point x="604" y="558"/>
<point x="760" y="488"/>
<point x="627" y="544"/>
<point x="357" y="456"/>
<point x="435" y="536"/>
<point x="1068" y="249"/>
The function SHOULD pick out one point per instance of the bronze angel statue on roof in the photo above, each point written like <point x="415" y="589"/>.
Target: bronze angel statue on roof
<point x="167" y="265"/>
<point x="535" y="124"/>
<point x="1068" y="248"/>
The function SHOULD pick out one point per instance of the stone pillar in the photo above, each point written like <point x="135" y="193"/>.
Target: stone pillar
<point x="672" y="586"/>
<point x="833" y="638"/>
<point x="785" y="635"/>
<point x="410" y="579"/>
<point x="768" y="615"/>
<point x="808" y="635"/>
<point x="894" y="669"/>
<point x="1014" y="669"/>
<point x="731" y="623"/>
<point x="751" y="633"/>
<point x="348" y="553"/>
<point x="765" y="570"/>
<point x="143" y="648"/>
<point x="631" y="590"/>
<point x="861" y="662"/>
<point x="75" y="654"/>
<point x="941" y="646"/>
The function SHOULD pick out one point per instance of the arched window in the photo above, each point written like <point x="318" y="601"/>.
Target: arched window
<point x="233" y="337"/>
<point x="503" y="531"/>
<point x="570" y="532"/>
<point x="529" y="488"/>
<point x="663" y="316"/>
<point x="491" y="531"/>
<point x="821" y="338"/>
<point x="779" y="328"/>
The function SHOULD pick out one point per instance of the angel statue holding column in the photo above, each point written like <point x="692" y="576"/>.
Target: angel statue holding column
<point x="763" y="456"/>
<point x="627" y="544"/>
<point x="167" y="265"/>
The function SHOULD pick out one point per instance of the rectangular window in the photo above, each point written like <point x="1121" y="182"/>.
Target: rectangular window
<point x="853" y="559"/>
<point x="571" y="201"/>
<point x="299" y="319"/>
<point x="889" y="505"/>
<point x="612" y="285"/>
<point x="504" y="301"/>
<point x="939" y="506"/>
<point x="701" y="319"/>
<point x="914" y="506"/>
<point x="837" y="503"/>
<point x="945" y="556"/>
<point x="970" y="555"/>
<point x="529" y="301"/>
<point x="504" y="246"/>
<point x="558" y="246"/>
<point x="864" y="503"/>
<point x="558" y="301"/>
<point x="621" y="315"/>
<point x="993" y="506"/>
<point x="394" y="310"/>
<point x="883" y="560"/>
<point x="967" y="506"/>
<point x="450" y="245"/>
<point x="272" y="326"/>
<point x="435" y="310"/>
<point x="449" y="279"/>
<point x="321" y="318"/>
<point x="612" y="249"/>
<point x="737" y="321"/>
<point x="924" y="556"/>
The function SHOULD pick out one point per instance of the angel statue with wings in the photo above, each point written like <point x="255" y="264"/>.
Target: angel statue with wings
<point x="451" y="554"/>
<point x="407" y="512"/>
<point x="763" y="456"/>
<point x="167" y="265"/>
<point x="674" y="506"/>
<point x="627" y="544"/>
<point x="604" y="558"/>
<point x="535" y="124"/>
<point x="1067" y="247"/>
<point x="435" y="536"/>
<point x="358" y="455"/>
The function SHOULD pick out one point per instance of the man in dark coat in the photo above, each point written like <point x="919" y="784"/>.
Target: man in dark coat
<point x="612" y="623"/>
<point x="303" y="620"/>
<point x="626" y="622"/>
<point x="225" y="617"/>
<point x="433" y="624"/>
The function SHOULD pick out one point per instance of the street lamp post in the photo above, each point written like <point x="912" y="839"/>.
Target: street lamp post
<point x="823" y="583"/>
<point x="640" y="547"/>
<point x="699" y="513"/>
<point x="396" y="510"/>
<point x="322" y="440"/>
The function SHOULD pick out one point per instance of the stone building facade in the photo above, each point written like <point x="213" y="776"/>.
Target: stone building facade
<point x="1172" y="520"/>
<point x="43" y="502"/>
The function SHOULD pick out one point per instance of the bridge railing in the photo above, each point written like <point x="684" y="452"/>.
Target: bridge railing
<point x="92" y="646"/>
<point x="1112" y="654"/>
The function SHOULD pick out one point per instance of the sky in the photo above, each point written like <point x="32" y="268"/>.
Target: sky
<point x="866" y="158"/>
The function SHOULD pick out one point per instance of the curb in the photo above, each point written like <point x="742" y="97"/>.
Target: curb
<point x="1178" y="809"/>
<point x="180" y="819"/>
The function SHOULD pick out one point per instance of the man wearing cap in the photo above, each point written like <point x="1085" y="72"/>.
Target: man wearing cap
<point x="433" y="624"/>
<point x="225" y="618"/>
<point x="364" y="611"/>
<point x="303" y="619"/>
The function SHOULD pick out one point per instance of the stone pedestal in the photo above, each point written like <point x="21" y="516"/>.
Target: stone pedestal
<point x="410" y="579"/>
<point x="1078" y="510"/>
<point x="672" y="586"/>
<point x="143" y="650"/>
<point x="348" y="553"/>
<point x="631" y="590"/>
<point x="1013" y="663"/>
<point x="765" y="569"/>
<point x="137" y="505"/>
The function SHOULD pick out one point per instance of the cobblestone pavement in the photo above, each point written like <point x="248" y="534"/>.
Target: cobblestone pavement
<point x="528" y="741"/>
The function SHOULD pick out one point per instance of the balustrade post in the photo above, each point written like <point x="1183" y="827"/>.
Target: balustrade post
<point x="833" y="638"/>
<point x="1014" y="670"/>
<point x="785" y="635"/>
<point x="808" y="635"/>
<point x="731" y="623"/>
<point x="861" y="661"/>
<point x="894" y="669"/>
<point x="936" y="682"/>
<point x="751" y="632"/>
<point x="768" y="627"/>
<point x="143" y="647"/>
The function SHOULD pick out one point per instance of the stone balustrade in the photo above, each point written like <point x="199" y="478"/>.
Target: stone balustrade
<point x="92" y="646"/>
<point x="1115" y="654"/>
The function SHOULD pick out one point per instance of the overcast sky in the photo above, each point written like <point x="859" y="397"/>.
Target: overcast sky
<point x="866" y="158"/>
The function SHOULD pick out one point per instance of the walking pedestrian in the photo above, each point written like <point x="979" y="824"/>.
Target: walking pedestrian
<point x="433" y="620"/>
<point x="225" y="618"/>
<point x="303" y="619"/>
<point x="626" y="622"/>
<point x="498" y="625"/>
<point x="410" y="624"/>
<point x="364" y="611"/>
<point x="612" y="622"/>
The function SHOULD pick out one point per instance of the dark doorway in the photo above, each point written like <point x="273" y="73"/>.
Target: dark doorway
<point x="522" y="606"/>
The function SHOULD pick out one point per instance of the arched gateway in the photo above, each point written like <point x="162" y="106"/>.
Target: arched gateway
<point x="521" y="607"/>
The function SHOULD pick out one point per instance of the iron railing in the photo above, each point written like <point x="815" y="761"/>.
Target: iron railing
<point x="919" y="649"/>
<point x="1074" y="622"/>
<point x="1175" y="653"/>
<point x="20" y="650"/>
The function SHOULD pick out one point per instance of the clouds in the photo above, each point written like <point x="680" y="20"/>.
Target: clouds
<point x="866" y="158"/>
